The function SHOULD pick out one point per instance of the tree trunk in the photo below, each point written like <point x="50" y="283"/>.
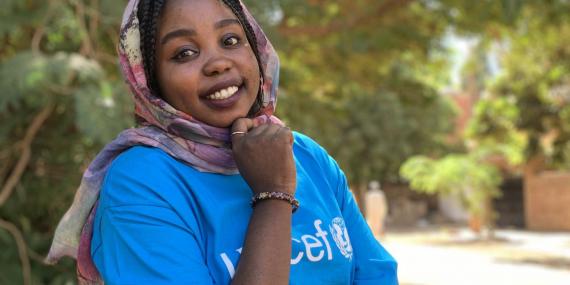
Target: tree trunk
<point x="532" y="168"/>
<point x="489" y="218"/>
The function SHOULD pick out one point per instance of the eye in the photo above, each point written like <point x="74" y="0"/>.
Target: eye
<point x="231" y="40"/>
<point x="184" y="54"/>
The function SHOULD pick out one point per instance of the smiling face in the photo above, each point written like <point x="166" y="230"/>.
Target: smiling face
<point x="204" y="64"/>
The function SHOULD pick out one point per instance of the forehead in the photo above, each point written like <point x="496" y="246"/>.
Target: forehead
<point x="196" y="13"/>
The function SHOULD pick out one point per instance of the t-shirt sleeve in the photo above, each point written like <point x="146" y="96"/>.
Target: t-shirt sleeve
<point x="139" y="236"/>
<point x="374" y="265"/>
<point x="145" y="244"/>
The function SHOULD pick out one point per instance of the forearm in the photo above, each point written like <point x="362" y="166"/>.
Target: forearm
<point x="266" y="254"/>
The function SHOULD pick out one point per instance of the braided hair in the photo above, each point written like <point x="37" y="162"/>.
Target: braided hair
<point x="148" y="13"/>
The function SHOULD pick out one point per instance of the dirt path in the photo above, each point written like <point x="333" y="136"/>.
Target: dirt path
<point x="442" y="257"/>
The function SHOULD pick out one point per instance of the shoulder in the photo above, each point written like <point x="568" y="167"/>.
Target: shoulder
<point x="138" y="156"/>
<point x="142" y="163"/>
<point x="140" y="175"/>
<point x="309" y="153"/>
<point x="306" y="145"/>
<point x="304" y="140"/>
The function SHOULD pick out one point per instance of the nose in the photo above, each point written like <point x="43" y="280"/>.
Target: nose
<point x="217" y="65"/>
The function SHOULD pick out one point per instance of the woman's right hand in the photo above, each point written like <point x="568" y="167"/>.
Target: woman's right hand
<point x="264" y="155"/>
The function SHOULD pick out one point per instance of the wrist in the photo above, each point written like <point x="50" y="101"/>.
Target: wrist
<point x="275" y="196"/>
<point x="288" y="189"/>
<point x="272" y="207"/>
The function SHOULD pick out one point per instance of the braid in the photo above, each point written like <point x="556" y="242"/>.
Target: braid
<point x="148" y="14"/>
<point x="236" y="8"/>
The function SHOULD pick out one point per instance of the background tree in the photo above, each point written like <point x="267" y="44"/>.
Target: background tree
<point x="62" y="98"/>
<point x="520" y="115"/>
<point x="535" y="84"/>
<point x="361" y="77"/>
<point x="468" y="177"/>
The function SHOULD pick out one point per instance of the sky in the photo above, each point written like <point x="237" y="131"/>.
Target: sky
<point x="461" y="48"/>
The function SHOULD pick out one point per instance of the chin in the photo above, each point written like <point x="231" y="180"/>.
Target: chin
<point x="224" y="118"/>
<point x="224" y="123"/>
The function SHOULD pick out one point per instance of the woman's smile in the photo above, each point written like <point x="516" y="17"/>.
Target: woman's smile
<point x="224" y="94"/>
<point x="205" y="64"/>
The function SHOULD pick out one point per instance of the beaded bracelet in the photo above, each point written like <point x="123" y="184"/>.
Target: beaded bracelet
<point x="275" y="195"/>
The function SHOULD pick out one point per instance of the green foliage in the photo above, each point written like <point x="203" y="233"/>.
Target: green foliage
<point x="525" y="111"/>
<point x="106" y="104"/>
<point x="462" y="175"/>
<point x="32" y="78"/>
<point x="402" y="119"/>
<point x="54" y="53"/>
<point x="493" y="130"/>
<point x="361" y="77"/>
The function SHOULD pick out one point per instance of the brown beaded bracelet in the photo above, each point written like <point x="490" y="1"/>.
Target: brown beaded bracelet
<point x="275" y="195"/>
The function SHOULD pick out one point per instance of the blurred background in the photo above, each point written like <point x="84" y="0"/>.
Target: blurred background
<point x="451" y="119"/>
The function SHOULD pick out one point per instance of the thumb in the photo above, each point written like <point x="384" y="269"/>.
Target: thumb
<point x="240" y="127"/>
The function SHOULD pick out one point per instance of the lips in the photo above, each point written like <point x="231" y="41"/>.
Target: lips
<point x="223" y="94"/>
<point x="226" y="85"/>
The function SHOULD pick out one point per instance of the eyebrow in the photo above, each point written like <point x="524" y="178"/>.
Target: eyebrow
<point x="226" y="22"/>
<point x="190" y="32"/>
<point x="177" y="34"/>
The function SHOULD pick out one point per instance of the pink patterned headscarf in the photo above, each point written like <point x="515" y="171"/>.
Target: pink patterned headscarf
<point x="202" y="146"/>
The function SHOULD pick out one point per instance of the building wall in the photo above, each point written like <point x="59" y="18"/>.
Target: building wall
<point x="547" y="201"/>
<point x="407" y="207"/>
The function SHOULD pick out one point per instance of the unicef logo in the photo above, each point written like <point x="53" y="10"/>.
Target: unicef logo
<point x="340" y="235"/>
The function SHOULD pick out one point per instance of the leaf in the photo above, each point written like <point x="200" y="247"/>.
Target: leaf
<point x="22" y="75"/>
<point x="99" y="112"/>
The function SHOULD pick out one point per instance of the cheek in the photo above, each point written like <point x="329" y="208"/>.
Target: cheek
<point x="253" y="72"/>
<point x="255" y="66"/>
<point x="177" y="76"/>
<point x="177" y="83"/>
<point x="249" y="62"/>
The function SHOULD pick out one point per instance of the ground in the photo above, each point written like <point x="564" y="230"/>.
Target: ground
<point x="455" y="256"/>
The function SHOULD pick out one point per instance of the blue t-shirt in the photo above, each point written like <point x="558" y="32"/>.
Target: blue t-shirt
<point x="160" y="221"/>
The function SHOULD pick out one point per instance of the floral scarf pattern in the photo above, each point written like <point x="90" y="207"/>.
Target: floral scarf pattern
<point x="204" y="147"/>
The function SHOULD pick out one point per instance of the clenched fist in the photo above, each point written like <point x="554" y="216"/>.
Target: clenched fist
<point x="264" y="155"/>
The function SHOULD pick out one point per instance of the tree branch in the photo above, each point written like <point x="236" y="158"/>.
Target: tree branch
<point x="318" y="31"/>
<point x="22" y="249"/>
<point x="86" y="44"/>
<point x="113" y="35"/>
<point x="40" y="31"/>
<point x="26" y="146"/>
<point x="5" y="156"/>
<point x="94" y="20"/>
<point x="102" y="56"/>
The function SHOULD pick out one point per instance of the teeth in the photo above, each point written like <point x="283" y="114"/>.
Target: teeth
<point x="223" y="94"/>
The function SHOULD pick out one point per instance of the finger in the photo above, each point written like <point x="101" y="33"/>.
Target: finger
<point x="271" y="131"/>
<point x="263" y="132"/>
<point x="262" y="120"/>
<point x="240" y="127"/>
<point x="284" y="134"/>
<point x="256" y="131"/>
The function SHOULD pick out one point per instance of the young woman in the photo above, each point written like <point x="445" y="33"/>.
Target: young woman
<point x="211" y="188"/>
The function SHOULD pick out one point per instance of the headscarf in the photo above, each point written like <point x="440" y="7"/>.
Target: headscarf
<point x="202" y="146"/>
